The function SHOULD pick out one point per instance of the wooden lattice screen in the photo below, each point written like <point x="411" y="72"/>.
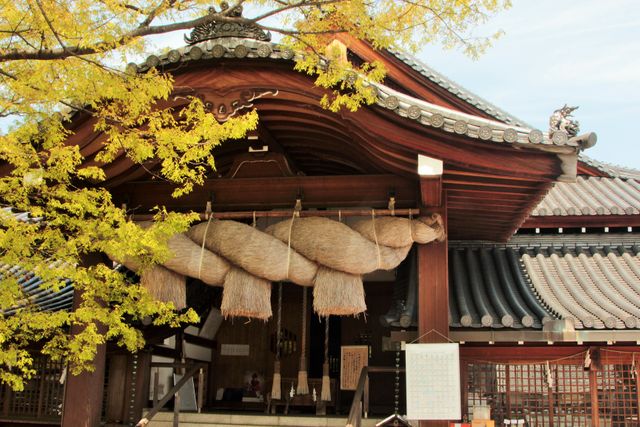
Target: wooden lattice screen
<point x="556" y="393"/>
<point x="42" y="395"/>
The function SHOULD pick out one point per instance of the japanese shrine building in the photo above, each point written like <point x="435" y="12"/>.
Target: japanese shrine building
<point x="537" y="278"/>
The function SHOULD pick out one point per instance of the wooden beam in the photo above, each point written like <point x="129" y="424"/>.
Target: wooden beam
<point x="271" y="193"/>
<point x="576" y="221"/>
<point x="197" y="340"/>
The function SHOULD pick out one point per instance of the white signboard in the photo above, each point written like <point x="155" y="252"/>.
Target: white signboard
<point x="187" y="394"/>
<point x="433" y="382"/>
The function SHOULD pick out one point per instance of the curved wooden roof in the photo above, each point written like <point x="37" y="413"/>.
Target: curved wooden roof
<point x="490" y="183"/>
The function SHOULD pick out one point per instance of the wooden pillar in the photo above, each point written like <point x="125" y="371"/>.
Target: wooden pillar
<point x="637" y="375"/>
<point x="6" y="403"/>
<point x="433" y="287"/>
<point x="142" y="379"/>
<point x="83" y="393"/>
<point x="596" y="365"/>
<point x="137" y="379"/>
<point x="116" y="391"/>
<point x="433" y="291"/>
<point x="464" y="381"/>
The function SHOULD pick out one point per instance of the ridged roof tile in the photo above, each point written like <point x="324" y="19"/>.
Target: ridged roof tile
<point x="612" y="170"/>
<point x="34" y="295"/>
<point x="502" y="127"/>
<point x="591" y="196"/>
<point x="596" y="289"/>
<point x="458" y="90"/>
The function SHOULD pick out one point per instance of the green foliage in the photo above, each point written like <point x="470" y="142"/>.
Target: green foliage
<point x="57" y="64"/>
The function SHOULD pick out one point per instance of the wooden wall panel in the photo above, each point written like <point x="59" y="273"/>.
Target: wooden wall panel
<point x="359" y="330"/>
<point x="229" y="371"/>
<point x="115" y="405"/>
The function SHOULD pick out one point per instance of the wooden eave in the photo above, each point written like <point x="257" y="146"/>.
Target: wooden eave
<point x="579" y="221"/>
<point x="410" y="81"/>
<point x="588" y="170"/>
<point x="489" y="187"/>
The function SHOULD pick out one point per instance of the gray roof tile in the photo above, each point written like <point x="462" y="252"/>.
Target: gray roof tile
<point x="596" y="289"/>
<point x="33" y="295"/>
<point x="612" y="170"/>
<point x="458" y="90"/>
<point x="503" y="127"/>
<point x="591" y="196"/>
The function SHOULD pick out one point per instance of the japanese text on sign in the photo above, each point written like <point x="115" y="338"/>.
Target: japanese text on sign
<point x="353" y="359"/>
<point x="433" y="381"/>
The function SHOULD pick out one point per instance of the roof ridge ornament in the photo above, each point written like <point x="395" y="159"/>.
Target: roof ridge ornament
<point x="562" y="120"/>
<point x="215" y="30"/>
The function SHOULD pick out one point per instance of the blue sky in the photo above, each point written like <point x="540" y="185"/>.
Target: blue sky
<point x="580" y="52"/>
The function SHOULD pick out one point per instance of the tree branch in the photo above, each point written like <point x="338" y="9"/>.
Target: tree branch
<point x="145" y="29"/>
<point x="50" y="25"/>
<point x="49" y="54"/>
<point x="290" y="6"/>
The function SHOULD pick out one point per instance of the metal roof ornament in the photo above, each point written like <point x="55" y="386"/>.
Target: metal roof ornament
<point x="562" y="120"/>
<point x="215" y="30"/>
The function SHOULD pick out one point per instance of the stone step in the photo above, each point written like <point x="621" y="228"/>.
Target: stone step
<point x="165" y="419"/>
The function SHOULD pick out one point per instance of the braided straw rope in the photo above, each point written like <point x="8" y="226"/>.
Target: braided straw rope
<point x="308" y="251"/>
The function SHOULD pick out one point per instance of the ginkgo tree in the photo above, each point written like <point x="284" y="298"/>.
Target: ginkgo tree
<point x="64" y="58"/>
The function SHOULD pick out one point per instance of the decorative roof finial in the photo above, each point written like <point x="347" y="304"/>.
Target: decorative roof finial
<point x="214" y="30"/>
<point x="561" y="120"/>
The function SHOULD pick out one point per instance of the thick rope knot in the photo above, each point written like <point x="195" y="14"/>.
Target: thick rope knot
<point x="316" y="251"/>
<point x="202" y="248"/>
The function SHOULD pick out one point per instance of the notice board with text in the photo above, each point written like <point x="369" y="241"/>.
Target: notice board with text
<point x="433" y="381"/>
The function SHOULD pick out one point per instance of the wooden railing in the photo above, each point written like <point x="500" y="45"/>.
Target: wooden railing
<point x="360" y="401"/>
<point x="191" y="369"/>
<point x="42" y="396"/>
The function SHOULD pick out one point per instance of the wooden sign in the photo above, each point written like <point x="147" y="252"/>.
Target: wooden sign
<point x="187" y="394"/>
<point x="433" y="382"/>
<point x="234" y="350"/>
<point x="352" y="359"/>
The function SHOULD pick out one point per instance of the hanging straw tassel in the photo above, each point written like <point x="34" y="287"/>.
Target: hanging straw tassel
<point x="276" y="388"/>
<point x="165" y="285"/>
<point x="325" y="393"/>
<point x="338" y="293"/>
<point x="245" y="295"/>
<point x="303" y="383"/>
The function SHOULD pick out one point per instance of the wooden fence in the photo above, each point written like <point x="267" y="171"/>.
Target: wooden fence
<point x="42" y="395"/>
<point x="591" y="388"/>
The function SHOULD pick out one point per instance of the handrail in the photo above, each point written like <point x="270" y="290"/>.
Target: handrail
<point x="356" y="406"/>
<point x="355" y="413"/>
<point x="194" y="368"/>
